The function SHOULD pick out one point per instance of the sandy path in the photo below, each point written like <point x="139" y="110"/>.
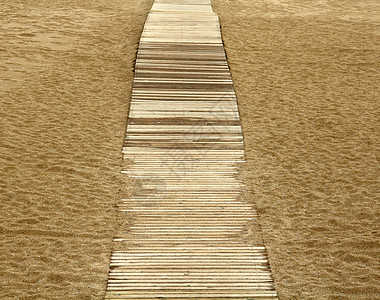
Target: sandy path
<point x="307" y="76"/>
<point x="65" y="71"/>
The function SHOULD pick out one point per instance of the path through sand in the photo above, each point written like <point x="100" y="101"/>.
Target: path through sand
<point x="188" y="235"/>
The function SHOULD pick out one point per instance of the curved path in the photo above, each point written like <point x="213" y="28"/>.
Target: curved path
<point x="184" y="142"/>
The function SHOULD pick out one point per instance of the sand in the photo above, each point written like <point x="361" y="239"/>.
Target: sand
<point x="307" y="79"/>
<point x="66" y="73"/>
<point x="306" y="75"/>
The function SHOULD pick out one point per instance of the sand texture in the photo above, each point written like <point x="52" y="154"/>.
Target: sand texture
<point x="306" y="75"/>
<point x="65" y="77"/>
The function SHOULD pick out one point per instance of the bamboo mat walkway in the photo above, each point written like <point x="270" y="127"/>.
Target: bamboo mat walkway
<point x="184" y="141"/>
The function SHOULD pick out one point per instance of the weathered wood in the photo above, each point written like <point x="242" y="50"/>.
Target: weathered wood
<point x="184" y="142"/>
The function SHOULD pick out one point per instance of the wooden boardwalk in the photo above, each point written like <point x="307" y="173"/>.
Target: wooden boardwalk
<point x="184" y="142"/>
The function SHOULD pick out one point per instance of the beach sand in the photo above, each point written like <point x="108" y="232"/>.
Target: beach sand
<point x="66" y="69"/>
<point x="306" y="75"/>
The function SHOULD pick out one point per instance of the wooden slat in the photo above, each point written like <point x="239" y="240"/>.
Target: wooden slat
<point x="184" y="143"/>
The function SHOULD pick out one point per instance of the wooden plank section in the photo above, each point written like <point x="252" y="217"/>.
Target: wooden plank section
<point x="184" y="142"/>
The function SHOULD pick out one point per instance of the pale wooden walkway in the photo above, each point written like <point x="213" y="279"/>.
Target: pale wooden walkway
<point x="184" y="141"/>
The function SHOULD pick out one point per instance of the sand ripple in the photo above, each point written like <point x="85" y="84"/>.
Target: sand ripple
<point x="307" y="79"/>
<point x="65" y="76"/>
